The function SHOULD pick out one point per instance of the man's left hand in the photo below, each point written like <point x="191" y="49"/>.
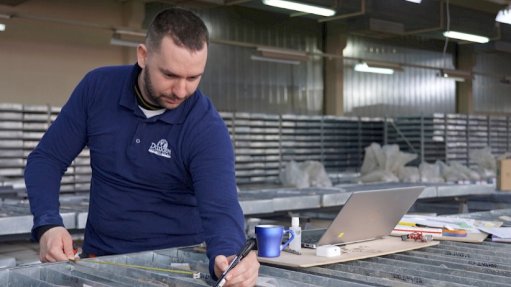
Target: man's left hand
<point x="243" y="275"/>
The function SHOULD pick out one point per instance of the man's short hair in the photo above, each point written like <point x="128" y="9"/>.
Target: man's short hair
<point x="184" y="27"/>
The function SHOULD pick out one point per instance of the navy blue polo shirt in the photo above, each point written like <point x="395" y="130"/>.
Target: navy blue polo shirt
<point x="157" y="182"/>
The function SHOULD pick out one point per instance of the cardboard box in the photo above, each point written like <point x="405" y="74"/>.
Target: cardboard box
<point x="504" y="175"/>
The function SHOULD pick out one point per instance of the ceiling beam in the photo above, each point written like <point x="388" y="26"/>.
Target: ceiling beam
<point x="234" y="2"/>
<point x="490" y="6"/>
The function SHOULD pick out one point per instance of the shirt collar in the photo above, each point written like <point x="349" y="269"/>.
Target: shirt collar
<point x="174" y="116"/>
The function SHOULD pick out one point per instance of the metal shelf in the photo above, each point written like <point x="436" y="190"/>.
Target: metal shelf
<point x="453" y="136"/>
<point x="264" y="143"/>
<point x="467" y="264"/>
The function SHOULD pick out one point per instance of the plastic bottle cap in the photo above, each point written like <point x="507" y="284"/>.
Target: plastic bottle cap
<point x="295" y="221"/>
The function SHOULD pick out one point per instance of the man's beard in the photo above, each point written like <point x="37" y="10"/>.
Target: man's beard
<point x="149" y="89"/>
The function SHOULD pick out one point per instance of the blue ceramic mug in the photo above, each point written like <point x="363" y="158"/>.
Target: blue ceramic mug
<point x="269" y="239"/>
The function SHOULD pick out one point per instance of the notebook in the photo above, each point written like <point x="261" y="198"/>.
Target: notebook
<point x="366" y="215"/>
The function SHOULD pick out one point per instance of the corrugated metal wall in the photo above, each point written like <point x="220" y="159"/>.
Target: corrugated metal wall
<point x="491" y="94"/>
<point x="407" y="92"/>
<point x="238" y="84"/>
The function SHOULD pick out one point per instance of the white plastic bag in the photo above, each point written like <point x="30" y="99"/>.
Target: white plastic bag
<point x="485" y="161"/>
<point x="316" y="174"/>
<point x="373" y="159"/>
<point x="409" y="174"/>
<point x="305" y="174"/>
<point x="467" y="172"/>
<point x="451" y="174"/>
<point x="379" y="176"/>
<point x="430" y="173"/>
<point x="293" y="175"/>
<point x="386" y="164"/>
<point x="483" y="158"/>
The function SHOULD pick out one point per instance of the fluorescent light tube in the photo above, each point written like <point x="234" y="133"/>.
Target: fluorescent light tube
<point x="130" y="33"/>
<point x="457" y="79"/>
<point x="504" y="16"/>
<point x="415" y="1"/>
<point x="300" y="7"/>
<point x="2" y="27"/>
<point x="125" y="43"/>
<point x="457" y="75"/>
<point x="363" y="67"/>
<point x="466" y="37"/>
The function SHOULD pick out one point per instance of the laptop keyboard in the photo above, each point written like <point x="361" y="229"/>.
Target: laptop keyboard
<point x="312" y="235"/>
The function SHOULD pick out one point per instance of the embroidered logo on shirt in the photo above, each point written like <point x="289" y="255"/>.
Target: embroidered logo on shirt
<point x="161" y="148"/>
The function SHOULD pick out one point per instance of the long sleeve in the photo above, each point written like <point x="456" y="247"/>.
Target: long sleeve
<point x="47" y="163"/>
<point x="213" y="175"/>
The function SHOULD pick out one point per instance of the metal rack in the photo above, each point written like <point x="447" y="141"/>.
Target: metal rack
<point x="301" y="138"/>
<point x="264" y="143"/>
<point x="446" y="264"/>
<point x="448" y="137"/>
<point x="15" y="216"/>
<point x="342" y="148"/>
<point x="256" y="142"/>
<point x="498" y="127"/>
<point x="21" y="128"/>
<point x="11" y="140"/>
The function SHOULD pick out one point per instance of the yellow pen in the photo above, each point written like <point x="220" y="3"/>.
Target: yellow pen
<point x="406" y="223"/>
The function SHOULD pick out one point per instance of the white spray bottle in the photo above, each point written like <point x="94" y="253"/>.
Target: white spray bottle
<point x="296" y="243"/>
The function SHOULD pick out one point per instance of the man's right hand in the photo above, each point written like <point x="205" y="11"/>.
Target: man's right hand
<point x="56" y="244"/>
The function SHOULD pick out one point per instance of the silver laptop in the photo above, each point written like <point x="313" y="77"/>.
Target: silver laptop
<point x="366" y="215"/>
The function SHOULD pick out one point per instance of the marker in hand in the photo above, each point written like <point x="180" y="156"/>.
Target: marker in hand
<point x="249" y="245"/>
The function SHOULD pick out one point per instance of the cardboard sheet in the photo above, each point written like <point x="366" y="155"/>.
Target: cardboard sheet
<point x="354" y="251"/>
<point x="504" y="175"/>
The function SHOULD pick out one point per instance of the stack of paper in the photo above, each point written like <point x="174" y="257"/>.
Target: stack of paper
<point x="499" y="234"/>
<point x="450" y="228"/>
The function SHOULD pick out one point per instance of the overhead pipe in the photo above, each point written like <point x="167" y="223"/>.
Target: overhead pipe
<point x="60" y="21"/>
<point x="441" y="25"/>
<point x="234" y="2"/>
<point x="213" y="40"/>
<point x="310" y="54"/>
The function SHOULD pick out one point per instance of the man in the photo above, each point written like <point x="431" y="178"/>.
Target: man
<point x="161" y="157"/>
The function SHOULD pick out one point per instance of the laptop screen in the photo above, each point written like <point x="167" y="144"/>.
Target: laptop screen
<point x="370" y="214"/>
